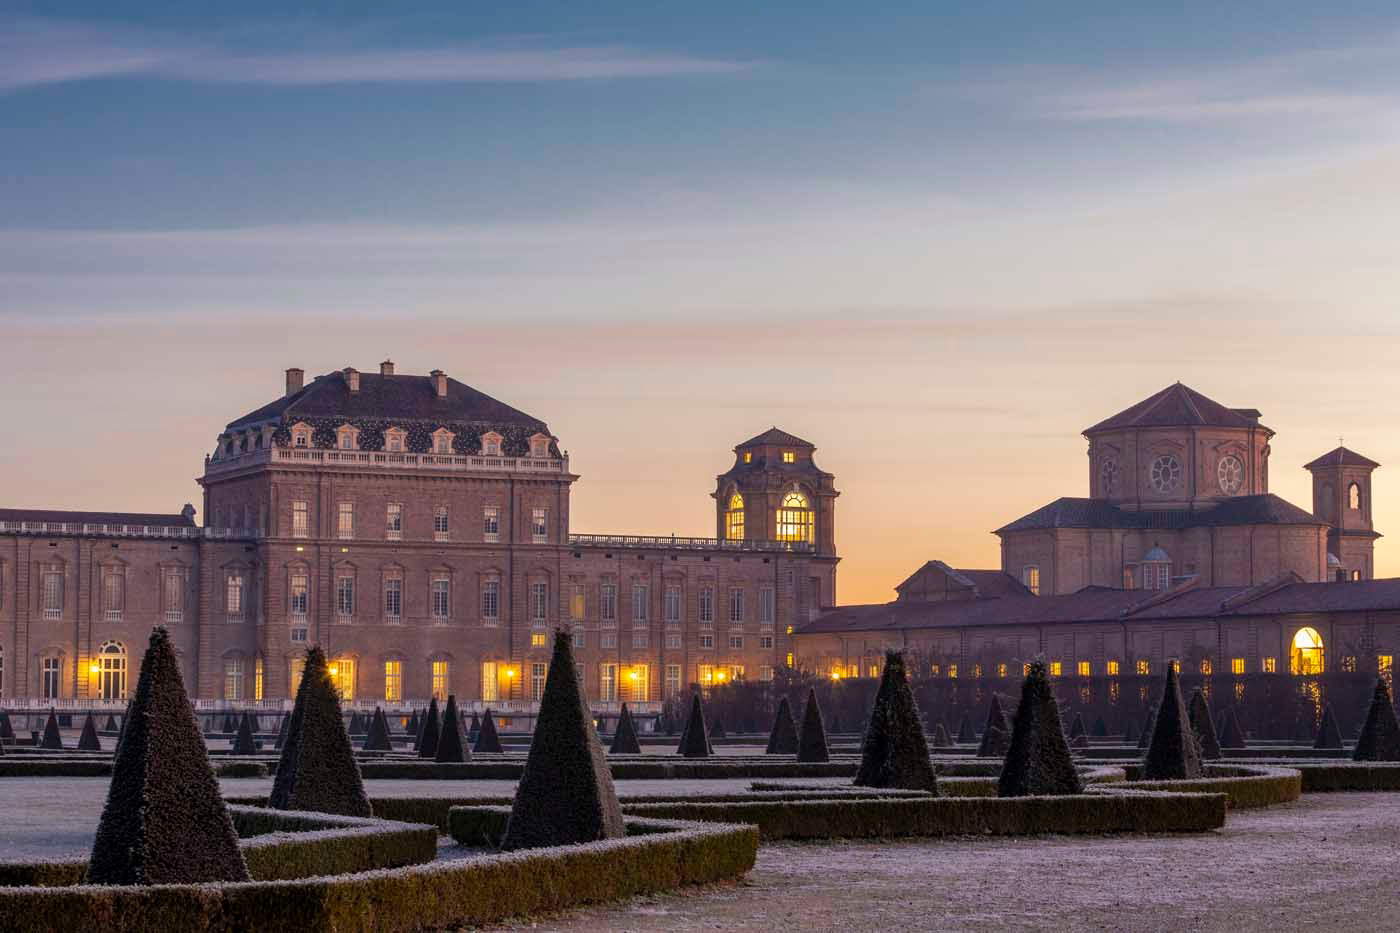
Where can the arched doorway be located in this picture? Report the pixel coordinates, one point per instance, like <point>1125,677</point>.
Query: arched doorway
<point>1305,657</point>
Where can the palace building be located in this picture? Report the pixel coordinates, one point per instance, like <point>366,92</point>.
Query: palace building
<point>418,530</point>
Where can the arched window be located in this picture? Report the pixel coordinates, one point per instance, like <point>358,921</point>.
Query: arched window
<point>734,518</point>
<point>1354,497</point>
<point>110,669</point>
<point>1306,655</point>
<point>1156,570</point>
<point>795,518</point>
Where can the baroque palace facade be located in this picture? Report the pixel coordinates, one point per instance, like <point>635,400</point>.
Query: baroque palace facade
<point>418,530</point>
<point>1180,552</point>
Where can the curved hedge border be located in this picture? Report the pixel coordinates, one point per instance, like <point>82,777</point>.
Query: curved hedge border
<point>1245,787</point>
<point>657,855</point>
<point>279,845</point>
<point>653,768</point>
<point>1348,776</point>
<point>832,818</point>
<point>76,767</point>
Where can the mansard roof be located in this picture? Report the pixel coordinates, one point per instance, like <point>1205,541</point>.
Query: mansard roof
<point>1069,512</point>
<point>777,437</point>
<point>182,520</point>
<point>1341,456</point>
<point>1282,596</point>
<point>1179,406</point>
<point>391,397</point>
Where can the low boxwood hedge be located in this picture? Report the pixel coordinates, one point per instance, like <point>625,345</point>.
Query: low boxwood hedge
<point>656,856</point>
<point>641,768</point>
<point>1245,787</point>
<point>102,767</point>
<point>1348,776</point>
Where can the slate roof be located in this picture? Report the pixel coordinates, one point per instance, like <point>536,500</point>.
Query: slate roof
<point>1341,456</point>
<point>988,583</point>
<point>389,398</point>
<point>1178,406</point>
<point>95,518</point>
<point>777,437</point>
<point>1070,512</point>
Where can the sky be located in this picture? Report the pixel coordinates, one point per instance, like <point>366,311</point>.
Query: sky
<point>937,240</point>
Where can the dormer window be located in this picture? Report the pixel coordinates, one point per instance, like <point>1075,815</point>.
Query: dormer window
<point>347,437</point>
<point>394,439</point>
<point>789,456</point>
<point>748,456</point>
<point>442,441</point>
<point>491,444</point>
<point>301,435</point>
<point>1156,570</point>
<point>539,446</point>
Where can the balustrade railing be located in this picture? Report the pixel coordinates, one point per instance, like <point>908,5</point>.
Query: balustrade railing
<point>385,459</point>
<point>671,542</point>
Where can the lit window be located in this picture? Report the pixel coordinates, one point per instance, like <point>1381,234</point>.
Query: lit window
<point>790,659</point>
<point>345,520</point>
<point>1001,670</point>
<point>537,639</point>
<point>1306,656</point>
<point>441,597</point>
<point>233,596</point>
<point>440,681</point>
<point>490,681</point>
<point>258,679</point>
<point>1354,497</point>
<point>734,518</point>
<point>789,456</point>
<point>795,518</point>
<point>491,523</point>
<point>295,669</point>
<point>577,603</point>
<point>1144,667</point>
<point>1025,669</point>
<point>1112,668</point>
<point>393,599</point>
<point>1130,576</point>
<point>393,522</point>
<point>539,525</point>
<point>748,456</point>
<point>491,600</point>
<point>1237,666</point>
<point>300,524</point>
<point>111,675</point>
<point>440,523</point>
<point>1384,665</point>
<point>1348,664</point>
<point>607,682</point>
<point>1030,576</point>
<point>1085,668</point>
<point>1206,666</point>
<point>1271,665</point>
<point>342,671</point>
<point>953,671</point>
<point>1056,668</point>
<point>393,681</point>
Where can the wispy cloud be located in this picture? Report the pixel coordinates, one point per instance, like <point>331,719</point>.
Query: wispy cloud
<point>36,52</point>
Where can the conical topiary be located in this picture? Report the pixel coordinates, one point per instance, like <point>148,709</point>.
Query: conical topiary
<point>695,740</point>
<point>783,739</point>
<point>1172,754</point>
<point>967,734</point>
<point>1203,724</point>
<point>625,738</point>
<point>1231,736</point>
<point>282,733</point>
<point>87,742</point>
<point>811,737</point>
<point>894,752</point>
<point>164,821</point>
<point>229,726</point>
<point>1329,734</point>
<point>1129,732</point>
<point>1038,761</point>
<point>1076,728</point>
<point>7,729</point>
<point>996,734</point>
<point>940,736</point>
<point>1145,739</point>
<point>717,729</point>
<point>1380,736</point>
<point>428,737</point>
<point>317,770</point>
<point>474,729</point>
<point>243,743</point>
<point>411,728</point>
<point>357,724</point>
<point>450,748</point>
<point>487,741</point>
<point>566,793</point>
<point>111,725</point>
<point>52,739</point>
<point>378,738</point>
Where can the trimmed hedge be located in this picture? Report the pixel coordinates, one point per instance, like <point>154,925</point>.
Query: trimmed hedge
<point>656,856</point>
<point>1245,788</point>
<point>1348,776</point>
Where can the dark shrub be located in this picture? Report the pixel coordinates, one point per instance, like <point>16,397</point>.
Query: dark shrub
<point>1145,739</point>
<point>282,732</point>
<point>164,821</point>
<point>412,727</point>
<point>895,752</point>
<point>625,738</point>
<point>1203,724</point>
<point>1380,736</point>
<point>1076,729</point>
<point>811,738</point>
<point>717,730</point>
<point>474,729</point>
<point>1100,728</point>
<point>695,740</point>
<point>566,793</point>
<point>783,739</point>
<point>996,734</point>
<point>940,736</point>
<point>52,738</point>
<point>243,743</point>
<point>487,741</point>
<point>1172,754</point>
<point>378,738</point>
<point>966,733</point>
<point>1329,735</point>
<point>1038,761</point>
<point>87,742</point>
<point>1129,732</point>
<point>7,730</point>
<point>229,725</point>
<point>428,738</point>
<point>450,747</point>
<point>317,770</point>
<point>111,725</point>
<point>1231,736</point>
<point>357,724</point>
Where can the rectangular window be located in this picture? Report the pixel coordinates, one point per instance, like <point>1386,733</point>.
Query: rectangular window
<point>736,604</point>
<point>789,456</point>
<point>490,682</point>
<point>671,605</point>
<point>299,633</point>
<point>1056,668</point>
<point>342,671</point>
<point>393,599</point>
<point>174,596</point>
<point>441,528</point>
<point>258,679</point>
<point>233,597</point>
<point>607,682</point>
<point>639,638</point>
<point>53,595</point>
<point>1112,668</point>
<point>767,605</point>
<point>295,669</point>
<point>637,684</point>
<point>1271,665</point>
<point>673,679</point>
<point>580,638</point>
<point>1085,669</point>
<point>300,522</point>
<point>440,680</point>
<point>578,603</point>
<point>953,670</point>
<point>539,603</point>
<point>393,681</point>
<point>1030,576</point>
<point>491,523</point>
<point>539,525</point>
<point>297,596</point>
<point>1144,667</point>
<point>345,520</point>
<point>393,522</point>
<point>538,672</point>
<point>345,598</point>
<point>608,609</point>
<point>49,678</point>
<point>736,642</point>
<point>673,640</point>
<point>707,640</point>
<point>1206,666</point>
<point>765,642</point>
<point>1385,663</point>
<point>1237,666</point>
<point>233,678</point>
<point>707,605</point>
<point>607,640</point>
<point>1001,670</point>
<point>441,598</point>
<point>705,673</point>
<point>736,672</point>
<point>537,639</point>
<point>491,601</point>
<point>113,595</point>
<point>641,598</point>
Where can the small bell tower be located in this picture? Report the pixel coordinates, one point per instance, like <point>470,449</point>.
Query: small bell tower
<point>1342,498</point>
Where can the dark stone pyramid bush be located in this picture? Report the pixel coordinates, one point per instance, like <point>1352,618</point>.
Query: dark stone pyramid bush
<point>317,770</point>
<point>229,724</point>
<point>378,738</point>
<point>1203,724</point>
<point>355,728</point>
<point>940,736</point>
<point>487,741</point>
<point>811,737</point>
<point>52,739</point>
<point>1173,754</point>
<point>894,752</point>
<point>1145,739</point>
<point>412,728</point>
<point>717,730</point>
<point>164,821</point>
<point>566,793</point>
<point>1076,729</point>
<point>450,747</point>
<point>1038,761</point>
<point>996,734</point>
<point>243,742</point>
<point>111,725</point>
<point>1380,736</point>
<point>7,730</point>
<point>783,739</point>
<point>625,738</point>
<point>1329,734</point>
<point>474,729</point>
<point>87,742</point>
<point>282,733</point>
<point>1231,735</point>
<point>428,737</point>
<point>695,739</point>
<point>966,733</point>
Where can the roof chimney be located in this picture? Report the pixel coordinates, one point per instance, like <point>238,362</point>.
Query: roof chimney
<point>386,368</point>
<point>352,378</point>
<point>439,382</point>
<point>294,377</point>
